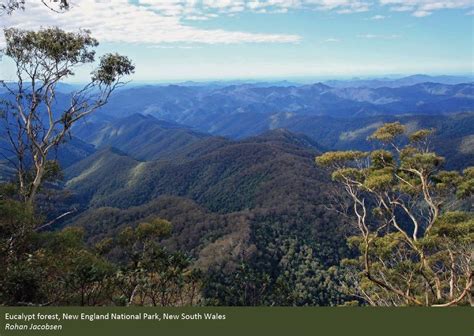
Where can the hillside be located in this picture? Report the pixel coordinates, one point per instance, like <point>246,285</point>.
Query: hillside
<point>242,208</point>
<point>232,177</point>
<point>141,136</point>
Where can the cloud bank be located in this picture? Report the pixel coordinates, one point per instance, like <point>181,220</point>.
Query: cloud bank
<point>174,21</point>
<point>121,21</point>
<point>421,8</point>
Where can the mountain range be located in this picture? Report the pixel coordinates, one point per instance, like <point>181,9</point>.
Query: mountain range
<point>371,82</point>
<point>243,110</point>
<point>399,81</point>
<point>145,138</point>
<point>232,167</point>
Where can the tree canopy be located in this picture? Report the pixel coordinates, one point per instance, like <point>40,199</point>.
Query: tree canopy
<point>415,233</point>
<point>34,120</point>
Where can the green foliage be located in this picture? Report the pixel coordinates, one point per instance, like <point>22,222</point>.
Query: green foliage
<point>457,226</point>
<point>8,190</point>
<point>380,178</point>
<point>156,228</point>
<point>148,273</point>
<point>466,186</point>
<point>50,44</point>
<point>348,173</point>
<point>53,171</point>
<point>420,135</point>
<point>388,132</point>
<point>426,162</point>
<point>412,248</point>
<point>40,49</point>
<point>447,181</point>
<point>57,268</point>
<point>111,67</point>
<point>42,59</point>
<point>337,158</point>
<point>14,213</point>
<point>381,159</point>
<point>46,268</point>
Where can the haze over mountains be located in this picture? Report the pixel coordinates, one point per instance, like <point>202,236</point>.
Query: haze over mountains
<point>240,111</point>
<point>193,104</point>
<point>370,82</point>
<point>153,122</point>
<point>163,122</point>
<point>394,82</point>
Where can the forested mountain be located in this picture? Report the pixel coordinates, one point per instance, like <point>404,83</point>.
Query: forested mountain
<point>232,168</point>
<point>140,136</point>
<point>255,203</point>
<point>146,138</point>
<point>317,110</point>
<point>355,82</point>
<point>225,176</point>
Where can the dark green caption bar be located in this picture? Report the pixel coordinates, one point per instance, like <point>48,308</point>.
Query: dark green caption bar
<point>236,321</point>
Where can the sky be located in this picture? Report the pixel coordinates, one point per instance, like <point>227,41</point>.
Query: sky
<point>175,40</point>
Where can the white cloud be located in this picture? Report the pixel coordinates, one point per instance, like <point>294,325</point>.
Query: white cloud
<point>421,13</point>
<point>229,7</point>
<point>173,21</point>
<point>378,17</point>
<point>332,40</point>
<point>421,8</point>
<point>379,37</point>
<point>402,8</point>
<point>169,21</point>
<point>197,18</point>
<point>120,21</point>
<point>160,46</point>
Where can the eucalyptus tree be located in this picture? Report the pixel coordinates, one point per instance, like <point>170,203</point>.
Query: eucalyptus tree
<point>414,234</point>
<point>151,275</point>
<point>36,119</point>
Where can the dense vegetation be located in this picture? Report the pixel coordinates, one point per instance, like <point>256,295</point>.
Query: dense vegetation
<point>259,213</point>
<point>274,233</point>
<point>56,268</point>
<point>415,235</point>
<point>278,241</point>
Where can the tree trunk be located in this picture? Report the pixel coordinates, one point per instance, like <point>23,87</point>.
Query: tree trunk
<point>36,183</point>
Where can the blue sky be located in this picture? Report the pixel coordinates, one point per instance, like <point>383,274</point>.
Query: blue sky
<point>225,39</point>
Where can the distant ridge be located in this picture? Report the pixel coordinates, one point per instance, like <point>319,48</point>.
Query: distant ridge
<point>142,136</point>
<point>399,82</point>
